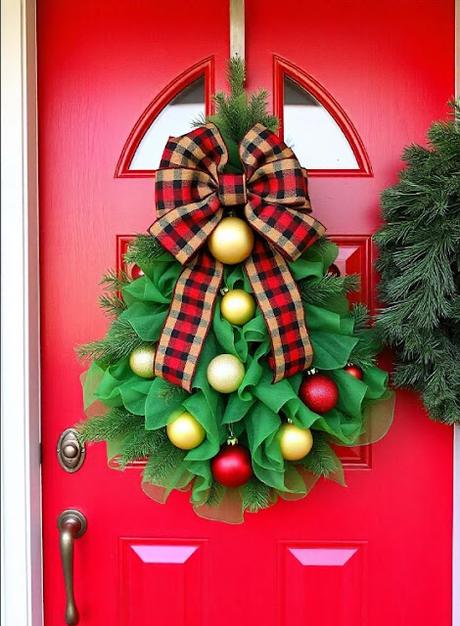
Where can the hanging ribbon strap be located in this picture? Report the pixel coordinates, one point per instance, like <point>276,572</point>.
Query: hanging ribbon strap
<point>192,191</point>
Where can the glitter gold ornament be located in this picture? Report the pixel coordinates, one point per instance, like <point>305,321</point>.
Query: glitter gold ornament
<point>225,373</point>
<point>141,361</point>
<point>184,430</point>
<point>232,240</point>
<point>237,306</point>
<point>295,442</point>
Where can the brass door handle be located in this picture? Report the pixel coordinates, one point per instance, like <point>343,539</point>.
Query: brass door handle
<point>72,525</point>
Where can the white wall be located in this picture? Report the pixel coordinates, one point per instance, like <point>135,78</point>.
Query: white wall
<point>20,469</point>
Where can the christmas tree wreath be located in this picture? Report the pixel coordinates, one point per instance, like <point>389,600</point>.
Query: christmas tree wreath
<point>233,364</point>
<point>420,271</point>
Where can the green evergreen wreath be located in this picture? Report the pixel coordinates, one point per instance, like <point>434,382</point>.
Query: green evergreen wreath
<point>131,413</point>
<point>420,271</point>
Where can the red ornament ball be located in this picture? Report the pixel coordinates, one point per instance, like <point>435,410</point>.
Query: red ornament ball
<point>319,393</point>
<point>354,370</point>
<point>136,272</point>
<point>333,270</point>
<point>232,466</point>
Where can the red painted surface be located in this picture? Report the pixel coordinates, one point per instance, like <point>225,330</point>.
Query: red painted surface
<point>376,553</point>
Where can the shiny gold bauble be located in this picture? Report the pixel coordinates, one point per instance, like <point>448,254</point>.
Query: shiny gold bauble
<point>295,442</point>
<point>225,373</point>
<point>141,361</point>
<point>231,241</point>
<point>237,307</point>
<point>184,431</point>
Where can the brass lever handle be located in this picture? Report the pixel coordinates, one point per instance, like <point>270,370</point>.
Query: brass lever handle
<point>72,525</point>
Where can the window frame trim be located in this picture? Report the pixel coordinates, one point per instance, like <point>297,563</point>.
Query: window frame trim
<point>282,68</point>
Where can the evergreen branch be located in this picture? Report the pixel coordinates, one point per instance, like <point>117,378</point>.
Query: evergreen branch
<point>236,113</point>
<point>256,495</point>
<point>144,250</point>
<point>419,265</point>
<point>140,443</point>
<point>163,463</point>
<point>319,291</point>
<point>216,494</point>
<point>322,460</point>
<point>236,76</point>
<point>360,314</point>
<point>114,281</point>
<point>113,305</point>
<point>115,424</point>
<point>119,342</point>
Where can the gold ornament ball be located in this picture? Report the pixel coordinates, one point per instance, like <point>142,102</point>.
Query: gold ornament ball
<point>225,373</point>
<point>295,442</point>
<point>184,431</point>
<point>237,307</point>
<point>141,361</point>
<point>231,241</point>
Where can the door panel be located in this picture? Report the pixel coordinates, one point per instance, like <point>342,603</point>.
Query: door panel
<point>373,554</point>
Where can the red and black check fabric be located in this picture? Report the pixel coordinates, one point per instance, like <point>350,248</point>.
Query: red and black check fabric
<point>188,320</point>
<point>192,190</point>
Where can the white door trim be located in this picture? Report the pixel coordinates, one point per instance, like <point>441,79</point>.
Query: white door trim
<point>21,565</point>
<point>21,562</point>
<point>456,481</point>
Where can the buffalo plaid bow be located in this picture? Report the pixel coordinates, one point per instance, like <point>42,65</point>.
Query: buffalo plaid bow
<point>192,190</point>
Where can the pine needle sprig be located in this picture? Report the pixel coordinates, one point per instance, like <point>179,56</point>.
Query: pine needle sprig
<point>215,494</point>
<point>256,495</point>
<point>144,250</point>
<point>322,460</point>
<point>236,113</point>
<point>119,342</point>
<point>114,282</point>
<point>112,304</point>
<point>163,464</point>
<point>111,301</point>
<point>139,444</point>
<point>113,425</point>
<point>319,291</point>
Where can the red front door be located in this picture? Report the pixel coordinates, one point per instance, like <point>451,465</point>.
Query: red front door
<point>355,82</point>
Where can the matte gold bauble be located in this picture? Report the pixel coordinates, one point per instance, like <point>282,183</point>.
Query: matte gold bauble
<point>184,431</point>
<point>141,361</point>
<point>295,442</point>
<point>237,307</point>
<point>231,241</point>
<point>225,373</point>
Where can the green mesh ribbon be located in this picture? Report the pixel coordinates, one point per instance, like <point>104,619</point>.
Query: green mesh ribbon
<point>254,412</point>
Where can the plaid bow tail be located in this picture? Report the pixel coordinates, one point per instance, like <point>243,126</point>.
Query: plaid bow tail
<point>279,300</point>
<point>188,320</point>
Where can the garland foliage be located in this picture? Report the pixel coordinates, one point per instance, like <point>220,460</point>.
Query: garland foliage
<point>420,270</point>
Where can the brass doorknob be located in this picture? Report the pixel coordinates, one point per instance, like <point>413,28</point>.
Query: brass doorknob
<point>72,525</point>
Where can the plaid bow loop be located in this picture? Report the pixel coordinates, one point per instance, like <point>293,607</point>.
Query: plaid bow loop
<point>192,188</point>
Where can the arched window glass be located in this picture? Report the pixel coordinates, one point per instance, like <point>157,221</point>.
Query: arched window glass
<point>175,119</point>
<point>311,131</point>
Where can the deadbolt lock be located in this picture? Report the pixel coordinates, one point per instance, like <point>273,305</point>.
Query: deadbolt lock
<point>70,450</point>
